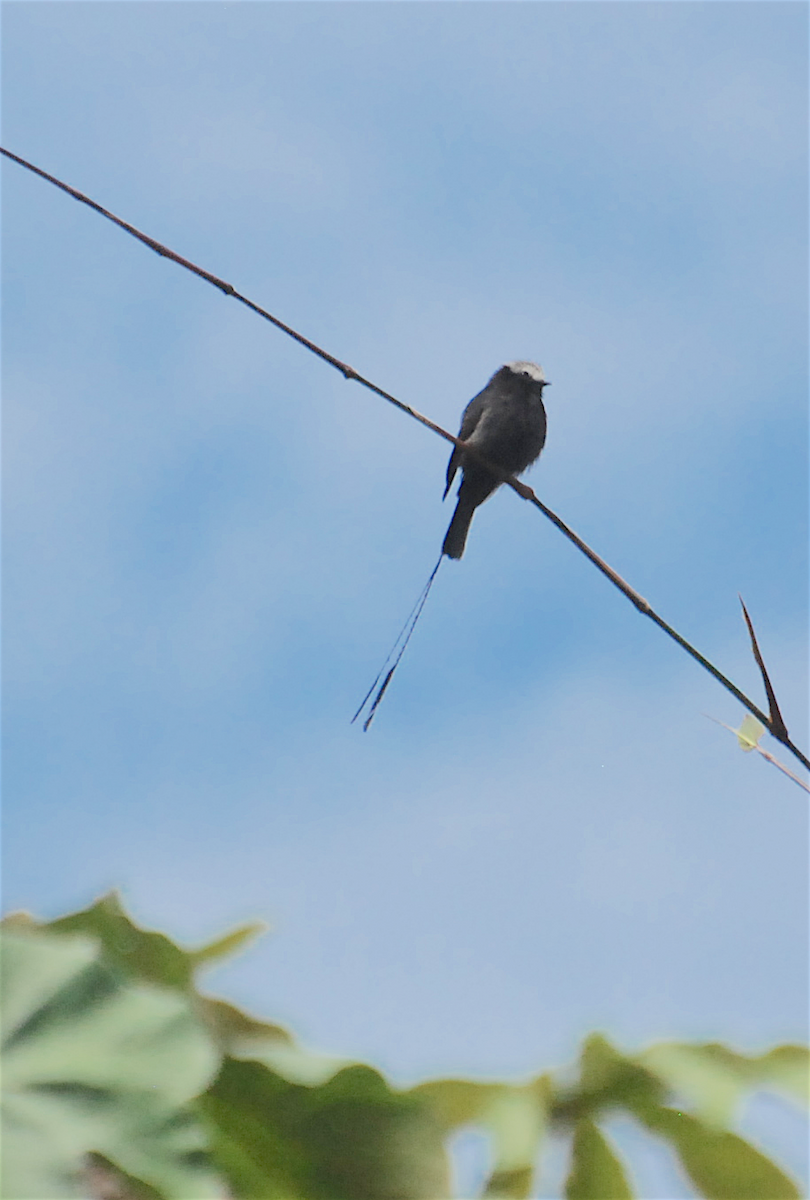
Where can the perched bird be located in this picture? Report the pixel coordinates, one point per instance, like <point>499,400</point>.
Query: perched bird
<point>506,422</point>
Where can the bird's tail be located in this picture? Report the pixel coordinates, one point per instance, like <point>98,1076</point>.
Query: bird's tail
<point>456,536</point>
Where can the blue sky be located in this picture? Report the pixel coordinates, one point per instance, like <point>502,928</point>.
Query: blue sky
<point>211,538</point>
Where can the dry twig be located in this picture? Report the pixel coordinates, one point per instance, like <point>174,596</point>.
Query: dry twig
<point>776,728</point>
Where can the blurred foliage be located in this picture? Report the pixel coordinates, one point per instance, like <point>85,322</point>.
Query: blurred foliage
<point>95,1063</point>
<point>122,1081</point>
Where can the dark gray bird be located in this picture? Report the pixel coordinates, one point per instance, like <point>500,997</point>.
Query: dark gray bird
<point>506,422</point>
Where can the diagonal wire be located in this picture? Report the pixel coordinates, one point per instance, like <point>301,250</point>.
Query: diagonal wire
<point>522,489</point>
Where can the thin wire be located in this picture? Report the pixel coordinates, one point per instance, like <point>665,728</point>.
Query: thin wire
<point>522,489</point>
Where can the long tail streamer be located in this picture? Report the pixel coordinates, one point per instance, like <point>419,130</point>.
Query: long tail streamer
<point>405,635</point>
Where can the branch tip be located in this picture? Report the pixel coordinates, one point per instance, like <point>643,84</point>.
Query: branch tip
<point>776,723</point>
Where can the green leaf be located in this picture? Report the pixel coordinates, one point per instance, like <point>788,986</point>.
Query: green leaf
<point>144,953</point>
<point>613,1079</point>
<point>242,1036</point>
<point>352,1138</point>
<point>713,1077</point>
<point>458,1102</point>
<point>709,1077</point>
<point>513,1115</point>
<point>596,1170</point>
<point>140,953</point>
<point>147,955</point>
<point>297,1064</point>
<point>516,1121</point>
<point>230,943</point>
<point>510,1182</point>
<point>786,1068</point>
<point>721,1165</point>
<point>608,1080</point>
<point>599,1063</point>
<point>249,1113</point>
<point>103,1178</point>
<point>236,1031</point>
<point>371,1141</point>
<point>96,1065</point>
<point>749,733</point>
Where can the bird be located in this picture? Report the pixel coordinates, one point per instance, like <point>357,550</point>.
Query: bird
<point>506,423</point>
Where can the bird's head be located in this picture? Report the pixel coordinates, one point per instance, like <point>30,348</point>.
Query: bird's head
<point>528,369</point>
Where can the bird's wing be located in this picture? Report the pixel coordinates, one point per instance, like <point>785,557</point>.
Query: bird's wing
<point>469,419</point>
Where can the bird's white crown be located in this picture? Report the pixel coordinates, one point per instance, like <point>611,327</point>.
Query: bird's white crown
<point>528,368</point>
